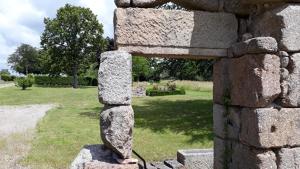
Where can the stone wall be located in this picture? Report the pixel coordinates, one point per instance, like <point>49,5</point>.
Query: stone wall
<point>256,93</point>
<point>256,45</point>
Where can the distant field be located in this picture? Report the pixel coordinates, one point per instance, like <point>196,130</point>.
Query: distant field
<point>162,124</point>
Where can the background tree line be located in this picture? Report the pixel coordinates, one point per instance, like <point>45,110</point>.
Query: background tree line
<point>72,43</point>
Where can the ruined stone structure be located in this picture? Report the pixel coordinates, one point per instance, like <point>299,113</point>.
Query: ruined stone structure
<point>256,45</point>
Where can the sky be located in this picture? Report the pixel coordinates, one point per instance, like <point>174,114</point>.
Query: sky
<point>21,21</point>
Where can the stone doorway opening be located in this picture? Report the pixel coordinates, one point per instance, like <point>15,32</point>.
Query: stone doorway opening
<point>256,90</point>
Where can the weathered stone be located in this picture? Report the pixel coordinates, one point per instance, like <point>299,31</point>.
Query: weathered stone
<point>226,122</point>
<point>282,23</point>
<point>292,98</point>
<point>235,6</point>
<point>160,165</point>
<point>98,157</point>
<point>230,154</point>
<point>174,33</point>
<point>289,158</point>
<point>255,46</point>
<point>122,3</point>
<point>116,124</point>
<point>195,159</point>
<point>266,1</point>
<point>114,77</point>
<point>284,86</point>
<point>247,36</point>
<point>207,5</point>
<point>284,74</point>
<point>250,80</point>
<point>174,164</point>
<point>270,127</point>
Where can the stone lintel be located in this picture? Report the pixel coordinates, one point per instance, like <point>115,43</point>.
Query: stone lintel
<point>175,33</point>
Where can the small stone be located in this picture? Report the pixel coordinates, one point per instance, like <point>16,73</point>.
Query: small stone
<point>196,158</point>
<point>255,46</point>
<point>116,124</point>
<point>284,86</point>
<point>115,78</point>
<point>284,74</point>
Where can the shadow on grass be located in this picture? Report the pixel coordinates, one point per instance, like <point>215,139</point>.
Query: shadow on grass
<point>193,118</point>
<point>190,117</point>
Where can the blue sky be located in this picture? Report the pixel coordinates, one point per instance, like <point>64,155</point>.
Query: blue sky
<point>21,21</point>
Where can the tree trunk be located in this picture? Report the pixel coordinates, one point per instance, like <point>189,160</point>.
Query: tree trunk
<point>75,77</point>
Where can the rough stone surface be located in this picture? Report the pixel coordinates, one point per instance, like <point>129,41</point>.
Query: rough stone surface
<point>174,33</point>
<point>284,74</point>
<point>97,157</point>
<point>282,23</point>
<point>230,154</point>
<point>266,1</point>
<point>292,84</point>
<point>116,124</point>
<point>250,81</point>
<point>122,3</point>
<point>114,77</point>
<point>289,158</point>
<point>226,124</point>
<point>254,46</point>
<point>269,127</point>
<point>195,159</point>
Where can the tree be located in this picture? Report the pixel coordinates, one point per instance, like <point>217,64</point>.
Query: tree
<point>73,40</point>
<point>141,69</point>
<point>25,60</point>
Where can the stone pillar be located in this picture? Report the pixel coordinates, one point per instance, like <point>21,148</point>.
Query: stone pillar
<point>256,94</point>
<point>117,117</point>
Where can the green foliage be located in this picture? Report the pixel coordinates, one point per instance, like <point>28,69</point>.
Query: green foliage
<point>4,72</point>
<point>25,60</point>
<point>7,78</point>
<point>72,40</point>
<point>24,82</point>
<point>141,69</point>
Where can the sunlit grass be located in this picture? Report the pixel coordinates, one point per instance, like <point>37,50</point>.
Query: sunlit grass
<point>162,124</point>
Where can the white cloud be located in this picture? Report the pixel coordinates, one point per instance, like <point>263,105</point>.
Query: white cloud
<point>21,21</point>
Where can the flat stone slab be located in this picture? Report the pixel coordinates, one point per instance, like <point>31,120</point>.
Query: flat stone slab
<point>196,158</point>
<point>174,33</point>
<point>98,157</point>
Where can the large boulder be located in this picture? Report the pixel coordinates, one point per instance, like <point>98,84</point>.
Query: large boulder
<point>116,124</point>
<point>252,80</point>
<point>282,23</point>
<point>289,158</point>
<point>270,127</point>
<point>115,78</point>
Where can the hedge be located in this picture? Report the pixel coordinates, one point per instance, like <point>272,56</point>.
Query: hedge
<point>152,92</point>
<point>7,78</point>
<point>63,81</point>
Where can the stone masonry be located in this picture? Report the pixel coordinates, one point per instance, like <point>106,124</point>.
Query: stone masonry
<point>256,47</point>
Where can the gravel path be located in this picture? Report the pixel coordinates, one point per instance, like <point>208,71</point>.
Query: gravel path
<point>18,119</point>
<point>16,132</point>
<point>2,85</point>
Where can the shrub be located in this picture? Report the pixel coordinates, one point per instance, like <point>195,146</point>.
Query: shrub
<point>152,92</point>
<point>64,81</point>
<point>171,86</point>
<point>24,82</point>
<point>5,77</point>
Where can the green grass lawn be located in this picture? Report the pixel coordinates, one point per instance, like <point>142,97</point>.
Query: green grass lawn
<point>162,124</point>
